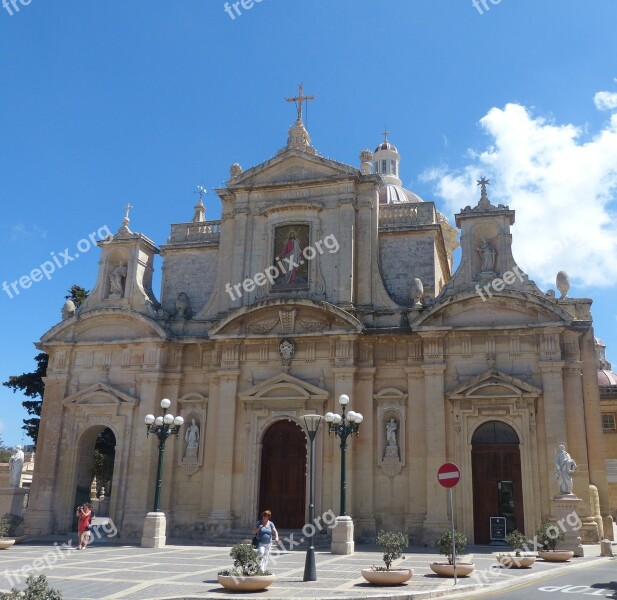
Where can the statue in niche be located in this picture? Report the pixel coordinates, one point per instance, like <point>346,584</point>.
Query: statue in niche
<point>488,257</point>
<point>565,465</point>
<point>391,428</point>
<point>183,307</point>
<point>191,437</point>
<point>117,281</point>
<point>16,465</point>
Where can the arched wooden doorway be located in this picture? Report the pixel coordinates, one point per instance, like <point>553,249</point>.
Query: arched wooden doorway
<point>497,482</point>
<point>282,485</point>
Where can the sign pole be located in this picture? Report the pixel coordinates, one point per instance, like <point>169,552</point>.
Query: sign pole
<point>453,538</point>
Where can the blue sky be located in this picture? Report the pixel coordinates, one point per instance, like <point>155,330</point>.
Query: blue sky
<point>105,103</point>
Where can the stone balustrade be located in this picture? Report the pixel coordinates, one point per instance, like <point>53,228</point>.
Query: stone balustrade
<point>195,233</point>
<point>402,216</point>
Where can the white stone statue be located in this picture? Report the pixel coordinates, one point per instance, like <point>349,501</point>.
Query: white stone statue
<point>16,465</point>
<point>183,307</point>
<point>117,280</point>
<point>488,257</point>
<point>191,437</point>
<point>563,284</point>
<point>68,309</point>
<point>564,467</point>
<point>391,428</point>
<point>417,292</point>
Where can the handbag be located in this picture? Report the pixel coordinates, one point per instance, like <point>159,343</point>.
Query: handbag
<point>255,542</point>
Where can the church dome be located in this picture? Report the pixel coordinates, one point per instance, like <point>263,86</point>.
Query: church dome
<point>606,378</point>
<point>386,160</point>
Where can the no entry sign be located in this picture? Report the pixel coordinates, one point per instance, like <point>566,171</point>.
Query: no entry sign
<point>448,475</point>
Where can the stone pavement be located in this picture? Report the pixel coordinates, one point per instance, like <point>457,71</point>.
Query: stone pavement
<point>189,572</point>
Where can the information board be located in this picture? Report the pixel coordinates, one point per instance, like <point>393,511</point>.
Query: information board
<point>498,529</point>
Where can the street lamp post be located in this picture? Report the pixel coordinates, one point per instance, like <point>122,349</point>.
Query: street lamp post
<point>311,423</point>
<point>163,427</point>
<point>344,426</point>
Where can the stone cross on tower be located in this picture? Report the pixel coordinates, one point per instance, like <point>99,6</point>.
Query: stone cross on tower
<point>200,210</point>
<point>386,133</point>
<point>299,99</point>
<point>484,201</point>
<point>126,220</point>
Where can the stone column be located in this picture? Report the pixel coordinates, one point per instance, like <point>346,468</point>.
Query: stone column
<point>221,517</point>
<point>363,465</point>
<point>436,520</point>
<point>347,215</point>
<point>237,256</point>
<point>39,519</point>
<point>366,238</point>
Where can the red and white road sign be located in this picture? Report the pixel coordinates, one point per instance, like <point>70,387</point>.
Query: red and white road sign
<point>448,475</point>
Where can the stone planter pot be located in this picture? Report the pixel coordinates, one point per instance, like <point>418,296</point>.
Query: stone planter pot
<point>391,577</point>
<point>6,543</point>
<point>555,555</point>
<point>253,583</point>
<point>511,561</point>
<point>447,570</point>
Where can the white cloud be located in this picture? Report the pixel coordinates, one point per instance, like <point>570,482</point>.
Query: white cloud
<point>21,231</point>
<point>564,191</point>
<point>605,100</point>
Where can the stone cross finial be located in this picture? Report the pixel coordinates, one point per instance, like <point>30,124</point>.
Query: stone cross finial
<point>299,99</point>
<point>386,133</point>
<point>126,220</point>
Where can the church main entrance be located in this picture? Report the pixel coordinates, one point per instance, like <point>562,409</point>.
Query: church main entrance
<point>497,483</point>
<point>282,488</point>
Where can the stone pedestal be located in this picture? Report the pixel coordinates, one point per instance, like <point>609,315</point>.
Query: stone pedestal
<point>154,530</point>
<point>342,536</point>
<point>12,500</point>
<point>566,513</point>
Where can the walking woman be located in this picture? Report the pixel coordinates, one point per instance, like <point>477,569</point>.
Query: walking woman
<point>84,515</point>
<point>265,531</point>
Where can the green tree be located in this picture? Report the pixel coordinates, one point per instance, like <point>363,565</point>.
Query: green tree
<point>32,385</point>
<point>37,588</point>
<point>5,452</point>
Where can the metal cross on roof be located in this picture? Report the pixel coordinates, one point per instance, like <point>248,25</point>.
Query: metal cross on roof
<point>299,99</point>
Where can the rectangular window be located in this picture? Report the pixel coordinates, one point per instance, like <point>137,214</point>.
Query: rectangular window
<point>384,166</point>
<point>608,421</point>
<point>393,167</point>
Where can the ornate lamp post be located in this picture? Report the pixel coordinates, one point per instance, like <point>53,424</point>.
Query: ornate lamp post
<point>311,422</point>
<point>344,426</point>
<point>163,427</point>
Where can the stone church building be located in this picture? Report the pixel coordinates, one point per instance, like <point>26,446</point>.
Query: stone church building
<point>323,279</point>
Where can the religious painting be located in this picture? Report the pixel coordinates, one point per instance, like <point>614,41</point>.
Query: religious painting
<point>290,242</point>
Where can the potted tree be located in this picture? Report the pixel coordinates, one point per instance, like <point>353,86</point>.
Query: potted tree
<point>246,575</point>
<point>517,559</point>
<point>549,535</point>
<point>444,543</point>
<point>392,544</point>
<point>9,526</point>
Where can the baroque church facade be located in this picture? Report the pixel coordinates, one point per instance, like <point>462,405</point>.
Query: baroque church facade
<point>323,279</point>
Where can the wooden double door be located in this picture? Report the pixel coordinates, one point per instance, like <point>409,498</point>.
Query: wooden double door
<point>282,488</point>
<point>497,488</point>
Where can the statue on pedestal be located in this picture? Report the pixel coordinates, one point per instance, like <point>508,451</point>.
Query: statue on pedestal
<point>565,465</point>
<point>191,437</point>
<point>391,428</point>
<point>117,281</point>
<point>488,257</point>
<point>16,465</point>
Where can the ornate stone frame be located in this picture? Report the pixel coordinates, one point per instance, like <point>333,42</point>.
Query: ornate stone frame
<point>280,397</point>
<point>193,405</point>
<point>495,396</point>
<point>391,403</point>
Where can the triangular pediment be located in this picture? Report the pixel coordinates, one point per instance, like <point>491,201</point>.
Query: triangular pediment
<point>273,318</point>
<point>495,384</point>
<point>285,391</point>
<point>292,166</point>
<point>100,394</point>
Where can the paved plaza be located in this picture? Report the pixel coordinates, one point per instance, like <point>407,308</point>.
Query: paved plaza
<point>190,572</point>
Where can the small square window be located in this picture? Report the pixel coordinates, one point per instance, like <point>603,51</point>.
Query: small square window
<point>608,421</point>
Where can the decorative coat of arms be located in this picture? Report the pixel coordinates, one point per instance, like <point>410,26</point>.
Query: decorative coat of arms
<point>287,351</point>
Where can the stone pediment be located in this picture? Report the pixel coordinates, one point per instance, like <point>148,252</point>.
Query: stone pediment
<point>273,318</point>
<point>285,391</point>
<point>494,384</point>
<point>292,166</point>
<point>100,394</point>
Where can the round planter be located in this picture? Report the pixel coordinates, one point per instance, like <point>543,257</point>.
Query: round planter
<point>6,543</point>
<point>555,555</point>
<point>511,561</point>
<point>447,570</point>
<point>392,577</point>
<point>253,583</point>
